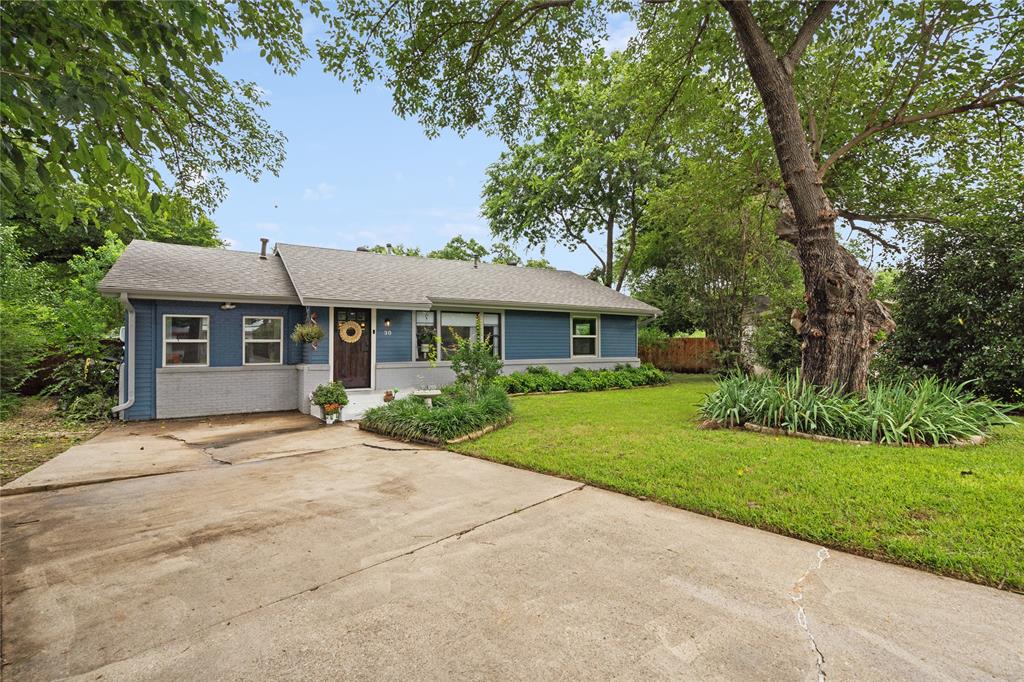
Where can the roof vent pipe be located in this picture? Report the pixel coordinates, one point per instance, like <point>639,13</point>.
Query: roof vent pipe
<point>263,248</point>
<point>389,249</point>
<point>476,261</point>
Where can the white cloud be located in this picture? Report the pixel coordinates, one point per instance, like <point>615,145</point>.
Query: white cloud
<point>620,30</point>
<point>323,190</point>
<point>229,241</point>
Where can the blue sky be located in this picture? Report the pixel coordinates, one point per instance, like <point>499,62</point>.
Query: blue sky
<point>356,173</point>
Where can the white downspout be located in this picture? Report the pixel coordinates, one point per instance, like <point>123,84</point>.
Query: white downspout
<point>130,351</point>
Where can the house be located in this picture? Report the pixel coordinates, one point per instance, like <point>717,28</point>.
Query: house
<point>207,330</point>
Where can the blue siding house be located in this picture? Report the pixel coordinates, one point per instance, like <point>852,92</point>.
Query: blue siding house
<point>207,330</point>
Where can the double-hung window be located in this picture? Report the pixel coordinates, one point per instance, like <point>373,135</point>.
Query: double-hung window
<point>584,336</point>
<point>262,340</point>
<point>186,340</point>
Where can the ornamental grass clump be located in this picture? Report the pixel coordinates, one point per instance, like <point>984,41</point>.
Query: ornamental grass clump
<point>454,414</point>
<point>922,412</point>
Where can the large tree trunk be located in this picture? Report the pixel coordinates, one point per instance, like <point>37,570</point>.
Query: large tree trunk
<point>842,325</point>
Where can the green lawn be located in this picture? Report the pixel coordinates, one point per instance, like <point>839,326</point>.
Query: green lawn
<point>956,511</point>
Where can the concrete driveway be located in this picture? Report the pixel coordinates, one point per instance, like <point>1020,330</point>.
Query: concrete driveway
<point>276,548</point>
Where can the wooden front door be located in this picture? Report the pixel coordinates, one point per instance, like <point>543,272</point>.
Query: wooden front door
<point>352,337</point>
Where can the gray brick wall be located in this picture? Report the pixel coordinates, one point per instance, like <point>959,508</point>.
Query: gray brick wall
<point>200,391</point>
<point>309,377</point>
<point>407,375</point>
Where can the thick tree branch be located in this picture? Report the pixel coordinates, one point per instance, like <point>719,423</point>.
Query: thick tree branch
<point>874,236</point>
<point>747,29</point>
<point>889,217</point>
<point>688,59</point>
<point>983,102</point>
<point>803,38</point>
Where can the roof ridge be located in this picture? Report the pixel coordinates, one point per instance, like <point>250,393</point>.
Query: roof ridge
<point>223,248</point>
<point>405,255</point>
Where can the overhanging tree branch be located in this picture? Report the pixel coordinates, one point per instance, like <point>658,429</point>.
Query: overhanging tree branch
<point>803,38</point>
<point>986,101</point>
<point>889,217</point>
<point>874,236</point>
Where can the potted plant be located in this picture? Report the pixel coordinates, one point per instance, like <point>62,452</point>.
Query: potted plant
<point>307,332</point>
<point>331,398</point>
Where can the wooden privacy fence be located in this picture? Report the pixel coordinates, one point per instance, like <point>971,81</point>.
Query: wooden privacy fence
<point>682,355</point>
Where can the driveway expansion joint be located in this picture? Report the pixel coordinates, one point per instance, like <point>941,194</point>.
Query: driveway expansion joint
<point>456,535</point>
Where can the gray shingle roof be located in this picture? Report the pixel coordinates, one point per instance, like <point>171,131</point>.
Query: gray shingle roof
<point>324,275</point>
<point>318,276</point>
<point>159,269</point>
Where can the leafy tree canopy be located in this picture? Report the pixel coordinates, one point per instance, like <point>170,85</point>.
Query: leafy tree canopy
<point>460,248</point>
<point>117,96</point>
<point>395,249</point>
<point>578,175</point>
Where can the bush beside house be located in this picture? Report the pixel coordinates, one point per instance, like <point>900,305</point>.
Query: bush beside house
<point>471,404</point>
<point>540,379</point>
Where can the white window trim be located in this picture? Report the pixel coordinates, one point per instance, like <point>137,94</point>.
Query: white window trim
<point>163,334</point>
<point>280,341</point>
<point>596,335</point>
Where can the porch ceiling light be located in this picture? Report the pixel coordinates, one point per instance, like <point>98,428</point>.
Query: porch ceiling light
<point>227,306</point>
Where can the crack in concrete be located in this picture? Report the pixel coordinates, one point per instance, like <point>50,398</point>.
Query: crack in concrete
<point>49,487</point>
<point>796,596</point>
<point>384,447</point>
<point>451,536</point>
<point>195,446</point>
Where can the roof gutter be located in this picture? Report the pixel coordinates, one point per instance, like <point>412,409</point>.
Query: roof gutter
<point>130,398</point>
<point>555,307</point>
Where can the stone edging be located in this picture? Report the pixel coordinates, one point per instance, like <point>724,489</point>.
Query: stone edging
<point>437,442</point>
<point>757,428</point>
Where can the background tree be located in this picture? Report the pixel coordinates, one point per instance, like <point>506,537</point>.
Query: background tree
<point>396,249</point>
<point>503,254</point>
<point>709,257</point>
<point>578,174</point>
<point>103,97</point>
<point>460,248</point>
<point>538,263</point>
<point>896,69</point>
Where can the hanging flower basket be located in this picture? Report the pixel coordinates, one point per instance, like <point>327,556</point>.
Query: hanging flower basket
<point>307,332</point>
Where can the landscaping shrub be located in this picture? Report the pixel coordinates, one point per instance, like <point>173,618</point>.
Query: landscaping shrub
<point>86,388</point>
<point>474,362</point>
<point>959,309</point>
<point>652,337</point>
<point>925,411</point>
<point>540,379</point>
<point>775,343</point>
<point>454,414</point>
<point>330,394</point>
